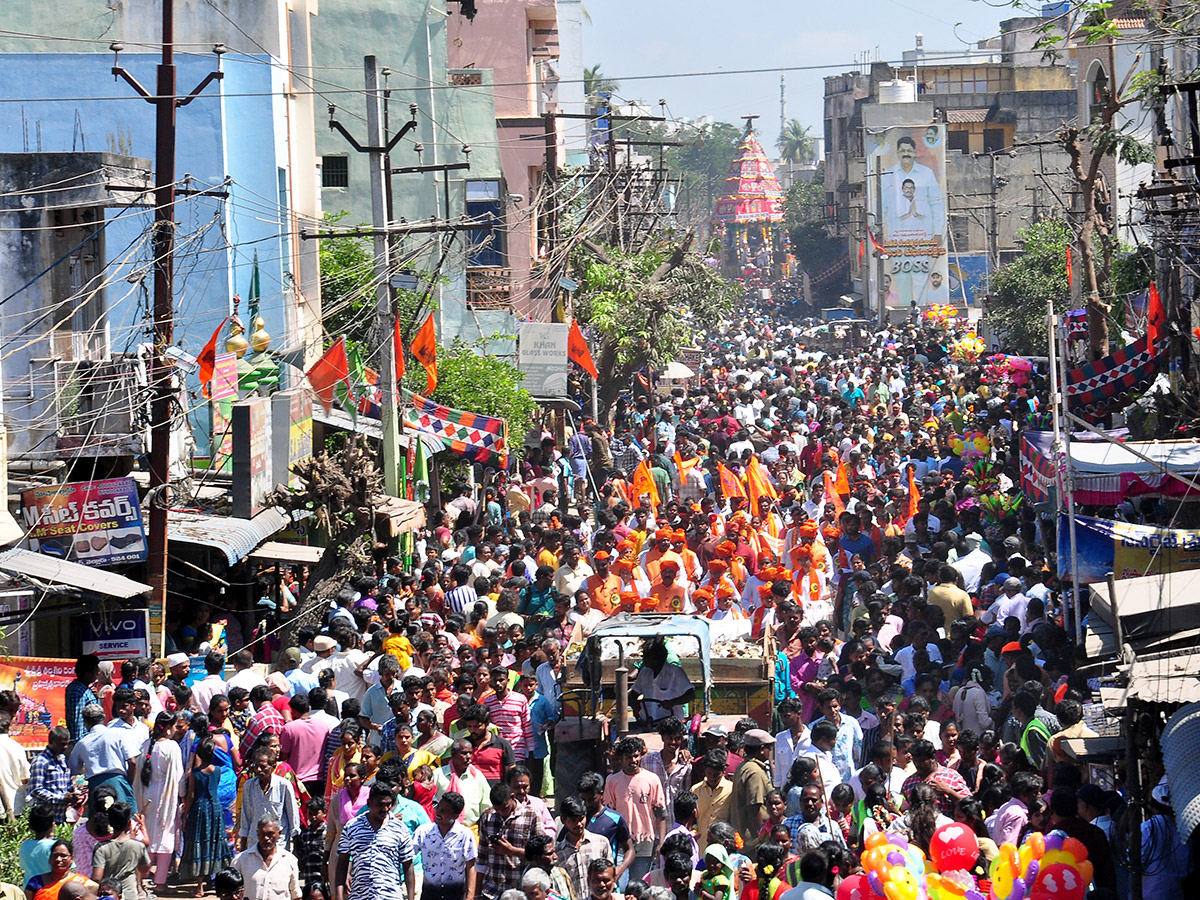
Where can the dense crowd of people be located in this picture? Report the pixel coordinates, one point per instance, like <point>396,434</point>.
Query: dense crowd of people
<point>856,512</point>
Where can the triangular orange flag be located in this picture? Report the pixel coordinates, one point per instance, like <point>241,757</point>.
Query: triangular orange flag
<point>578,352</point>
<point>424,351</point>
<point>1156,317</point>
<point>731,485</point>
<point>208,358</point>
<point>398,350</point>
<point>759,484</point>
<point>330,370</point>
<point>643,483</point>
<point>842,484</point>
<point>832,496</point>
<point>685,465</point>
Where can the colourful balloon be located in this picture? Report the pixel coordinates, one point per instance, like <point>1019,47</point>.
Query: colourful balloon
<point>876,883</point>
<point>1076,848</point>
<point>875,859</point>
<point>898,840</point>
<point>1062,882</point>
<point>878,839</point>
<point>1032,871</point>
<point>1037,845</point>
<point>1054,841</point>
<point>856,887</point>
<point>1018,889</point>
<point>901,885</point>
<point>1086,871</point>
<point>954,847</point>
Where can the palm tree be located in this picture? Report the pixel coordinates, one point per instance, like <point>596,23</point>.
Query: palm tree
<point>796,144</point>
<point>596,83</point>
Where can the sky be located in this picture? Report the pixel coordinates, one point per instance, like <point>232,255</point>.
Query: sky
<point>629,38</point>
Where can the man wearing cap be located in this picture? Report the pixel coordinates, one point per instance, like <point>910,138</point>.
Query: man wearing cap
<point>603,586</point>
<point>651,557</point>
<point>751,784</point>
<point>178,667</point>
<point>323,647</point>
<point>1011,602</point>
<point>299,681</point>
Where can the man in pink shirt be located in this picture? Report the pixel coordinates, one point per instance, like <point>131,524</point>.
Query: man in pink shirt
<point>303,745</point>
<point>638,796</point>
<point>510,713</point>
<point>1006,823</point>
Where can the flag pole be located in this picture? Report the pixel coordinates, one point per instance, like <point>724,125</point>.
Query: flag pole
<point>1057,380</point>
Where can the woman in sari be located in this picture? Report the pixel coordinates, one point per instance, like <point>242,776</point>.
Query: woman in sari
<point>205,840</point>
<point>410,757</point>
<point>225,748</point>
<point>158,791</point>
<point>368,765</point>
<point>430,738</point>
<point>62,870</point>
<point>349,752</point>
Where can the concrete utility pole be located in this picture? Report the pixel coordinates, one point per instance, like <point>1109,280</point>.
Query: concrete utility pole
<point>377,148</point>
<point>162,370</point>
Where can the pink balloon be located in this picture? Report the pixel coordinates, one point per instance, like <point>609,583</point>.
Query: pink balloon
<point>855,887</point>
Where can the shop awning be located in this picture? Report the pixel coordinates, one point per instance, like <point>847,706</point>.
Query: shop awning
<point>235,537</point>
<point>280,551</point>
<point>51,572</point>
<point>337,418</point>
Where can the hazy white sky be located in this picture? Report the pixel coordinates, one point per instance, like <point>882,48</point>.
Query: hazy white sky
<point>653,37</point>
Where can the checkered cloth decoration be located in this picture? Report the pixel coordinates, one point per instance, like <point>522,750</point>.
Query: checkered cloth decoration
<point>480,439</point>
<point>1110,384</point>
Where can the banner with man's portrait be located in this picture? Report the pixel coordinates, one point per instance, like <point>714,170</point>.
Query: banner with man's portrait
<point>908,195</point>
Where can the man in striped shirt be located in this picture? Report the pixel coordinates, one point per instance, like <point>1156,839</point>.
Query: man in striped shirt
<point>510,713</point>
<point>463,595</point>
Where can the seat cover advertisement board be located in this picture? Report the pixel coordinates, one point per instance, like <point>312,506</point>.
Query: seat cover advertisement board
<point>96,523</point>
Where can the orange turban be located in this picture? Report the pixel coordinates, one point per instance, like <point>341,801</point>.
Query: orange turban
<point>764,590</point>
<point>831,532</point>
<point>718,565</point>
<point>802,552</point>
<point>808,531</point>
<point>724,590</point>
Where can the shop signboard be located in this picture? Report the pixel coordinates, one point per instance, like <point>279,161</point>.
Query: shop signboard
<point>542,356</point>
<point>97,523</point>
<point>291,432</point>
<point>122,635</point>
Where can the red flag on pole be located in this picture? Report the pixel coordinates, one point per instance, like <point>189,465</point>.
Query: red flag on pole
<point>208,358</point>
<point>331,369</point>
<point>398,351</point>
<point>1156,317</point>
<point>578,352</point>
<point>1070,281</point>
<point>424,351</point>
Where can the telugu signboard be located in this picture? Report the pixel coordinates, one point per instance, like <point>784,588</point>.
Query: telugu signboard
<point>41,685</point>
<point>97,523</point>
<point>252,480</point>
<point>542,356</point>
<point>122,635</point>
<point>908,193</point>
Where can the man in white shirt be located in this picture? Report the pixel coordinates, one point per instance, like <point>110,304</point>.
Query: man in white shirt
<point>1010,603</point>
<point>212,684</point>
<point>791,742</point>
<point>244,675</point>
<point>573,572</point>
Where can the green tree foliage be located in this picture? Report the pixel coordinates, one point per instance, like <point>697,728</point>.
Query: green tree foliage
<point>347,279</point>
<point>702,163</point>
<point>596,83</point>
<point>469,380</point>
<point>1018,292</point>
<point>645,306</point>
<point>814,249</point>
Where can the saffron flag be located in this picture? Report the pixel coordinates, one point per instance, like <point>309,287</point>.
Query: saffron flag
<point>914,494</point>
<point>832,496</point>
<point>842,484</point>
<point>731,485</point>
<point>643,483</point>
<point>424,351</point>
<point>1070,275</point>
<point>480,439</point>
<point>398,350</point>
<point>685,465</point>
<point>1156,317</point>
<point>578,352</point>
<point>331,369</point>
<point>759,484</point>
<point>208,358</point>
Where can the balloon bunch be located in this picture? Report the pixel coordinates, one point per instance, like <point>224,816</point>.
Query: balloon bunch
<point>1043,868</point>
<point>941,312</point>
<point>1052,867</point>
<point>972,445</point>
<point>968,348</point>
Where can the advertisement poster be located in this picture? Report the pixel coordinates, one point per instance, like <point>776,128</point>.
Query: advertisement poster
<point>908,182</point>
<point>122,635</point>
<point>542,356</point>
<point>41,684</point>
<point>97,523</point>
<point>1125,549</point>
<point>968,278</point>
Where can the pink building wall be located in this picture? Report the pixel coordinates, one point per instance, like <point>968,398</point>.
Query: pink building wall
<point>513,38</point>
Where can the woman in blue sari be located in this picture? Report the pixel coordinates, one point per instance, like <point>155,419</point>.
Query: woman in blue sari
<point>225,750</point>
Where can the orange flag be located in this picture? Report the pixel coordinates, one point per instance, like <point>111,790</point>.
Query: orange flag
<point>832,496</point>
<point>731,485</point>
<point>578,352</point>
<point>842,484</point>
<point>759,484</point>
<point>914,495</point>
<point>398,350</point>
<point>424,351</point>
<point>685,465</point>
<point>1156,317</point>
<point>208,358</point>
<point>331,369</point>
<point>643,483</point>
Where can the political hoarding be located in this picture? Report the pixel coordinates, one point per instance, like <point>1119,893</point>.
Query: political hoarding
<point>41,685</point>
<point>908,198</point>
<point>1125,549</point>
<point>96,523</point>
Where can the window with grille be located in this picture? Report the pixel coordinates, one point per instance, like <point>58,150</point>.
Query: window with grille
<point>335,171</point>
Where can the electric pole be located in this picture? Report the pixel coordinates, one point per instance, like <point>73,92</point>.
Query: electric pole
<point>165,102</point>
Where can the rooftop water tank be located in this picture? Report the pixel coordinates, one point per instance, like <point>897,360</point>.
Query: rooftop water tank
<point>1050,10</point>
<point>897,92</point>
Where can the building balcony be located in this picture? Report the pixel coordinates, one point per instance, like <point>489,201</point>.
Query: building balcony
<point>489,287</point>
<point>101,408</point>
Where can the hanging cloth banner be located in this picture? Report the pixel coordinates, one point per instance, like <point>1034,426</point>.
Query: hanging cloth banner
<point>1125,549</point>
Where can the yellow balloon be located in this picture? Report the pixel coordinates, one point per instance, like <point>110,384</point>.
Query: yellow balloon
<point>901,884</point>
